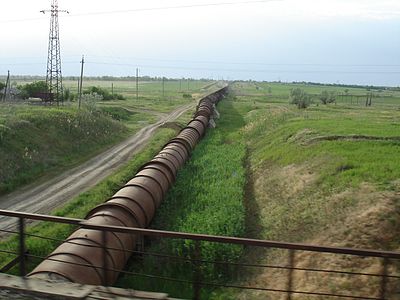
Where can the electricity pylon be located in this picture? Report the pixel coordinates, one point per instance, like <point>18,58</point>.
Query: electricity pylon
<point>54,75</point>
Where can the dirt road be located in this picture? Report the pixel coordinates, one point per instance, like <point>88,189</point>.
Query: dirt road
<point>49,195</point>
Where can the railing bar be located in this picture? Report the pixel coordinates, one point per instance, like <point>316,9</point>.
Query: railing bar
<point>215,262</point>
<point>8,231</point>
<point>9,252</point>
<point>290,275</point>
<point>244,241</point>
<point>219,262</point>
<point>39,217</point>
<point>384,280</point>
<point>21,247</point>
<point>209,238</point>
<point>207,283</point>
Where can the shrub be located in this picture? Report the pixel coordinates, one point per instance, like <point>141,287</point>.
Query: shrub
<point>327,97</point>
<point>300,98</point>
<point>105,94</point>
<point>33,89</point>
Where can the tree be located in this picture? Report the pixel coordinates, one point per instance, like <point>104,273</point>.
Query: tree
<point>300,98</point>
<point>327,97</point>
<point>33,89</point>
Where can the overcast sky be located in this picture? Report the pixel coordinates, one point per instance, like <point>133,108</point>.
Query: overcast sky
<point>335,41</point>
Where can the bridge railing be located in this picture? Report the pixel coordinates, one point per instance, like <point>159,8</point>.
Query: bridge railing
<point>291,270</point>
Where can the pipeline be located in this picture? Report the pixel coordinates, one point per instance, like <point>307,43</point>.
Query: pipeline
<point>79,258</point>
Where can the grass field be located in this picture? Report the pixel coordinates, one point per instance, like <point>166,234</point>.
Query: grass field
<point>321,175</point>
<point>37,141</point>
<point>306,172</point>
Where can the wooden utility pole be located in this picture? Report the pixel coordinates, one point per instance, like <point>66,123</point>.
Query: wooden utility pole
<point>80,83</point>
<point>137,84</point>
<point>163,87</point>
<point>7,88</point>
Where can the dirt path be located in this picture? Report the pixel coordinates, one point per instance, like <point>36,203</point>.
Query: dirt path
<point>54,193</point>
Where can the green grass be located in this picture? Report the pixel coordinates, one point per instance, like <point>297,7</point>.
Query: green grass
<point>82,204</point>
<point>206,198</point>
<point>37,140</point>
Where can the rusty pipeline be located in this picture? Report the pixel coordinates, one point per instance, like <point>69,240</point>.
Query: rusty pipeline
<point>81,257</point>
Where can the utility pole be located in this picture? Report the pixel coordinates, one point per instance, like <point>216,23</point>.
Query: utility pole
<point>137,84</point>
<point>80,83</point>
<point>163,87</point>
<point>53,75</point>
<point>7,88</point>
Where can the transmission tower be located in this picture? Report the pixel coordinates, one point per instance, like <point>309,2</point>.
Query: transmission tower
<point>54,76</point>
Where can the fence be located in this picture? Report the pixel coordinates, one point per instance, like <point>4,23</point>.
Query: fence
<point>196,281</point>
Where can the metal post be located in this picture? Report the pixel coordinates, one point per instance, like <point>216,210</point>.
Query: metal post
<point>137,84</point>
<point>384,280</point>
<point>80,84</point>
<point>163,87</point>
<point>22,267</point>
<point>104,242</point>
<point>7,88</point>
<point>290,275</point>
<point>197,271</point>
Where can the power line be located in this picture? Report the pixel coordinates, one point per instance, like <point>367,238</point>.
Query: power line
<point>245,70</point>
<point>204,62</point>
<point>248,63</point>
<point>173,7</point>
<point>149,9</point>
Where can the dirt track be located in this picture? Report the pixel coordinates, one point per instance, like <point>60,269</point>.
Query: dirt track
<point>51,194</point>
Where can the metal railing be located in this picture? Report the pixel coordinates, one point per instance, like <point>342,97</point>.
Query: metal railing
<point>387,257</point>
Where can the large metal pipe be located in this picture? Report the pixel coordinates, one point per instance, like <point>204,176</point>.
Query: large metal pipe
<point>81,257</point>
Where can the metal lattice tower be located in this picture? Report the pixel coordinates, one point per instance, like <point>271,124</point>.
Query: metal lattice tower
<point>54,75</point>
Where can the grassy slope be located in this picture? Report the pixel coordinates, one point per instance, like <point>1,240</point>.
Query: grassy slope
<point>35,140</point>
<point>78,207</point>
<point>303,189</point>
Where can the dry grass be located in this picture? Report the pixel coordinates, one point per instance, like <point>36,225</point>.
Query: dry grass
<point>374,222</point>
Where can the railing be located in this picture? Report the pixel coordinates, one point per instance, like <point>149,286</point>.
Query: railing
<point>388,259</point>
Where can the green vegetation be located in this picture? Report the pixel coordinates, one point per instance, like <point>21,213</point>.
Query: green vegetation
<point>103,93</point>
<point>38,140</point>
<point>328,97</point>
<point>300,98</point>
<point>312,170</point>
<point>206,198</point>
<point>81,205</point>
<point>35,141</point>
<point>32,89</point>
<point>269,171</point>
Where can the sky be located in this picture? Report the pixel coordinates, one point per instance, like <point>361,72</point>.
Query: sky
<point>329,41</point>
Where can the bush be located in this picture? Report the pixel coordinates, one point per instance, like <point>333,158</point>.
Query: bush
<point>327,97</point>
<point>33,89</point>
<point>300,98</point>
<point>105,94</point>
